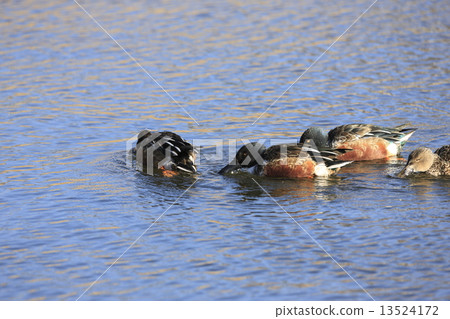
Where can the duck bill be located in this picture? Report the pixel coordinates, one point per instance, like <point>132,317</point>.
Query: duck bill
<point>406,171</point>
<point>230,168</point>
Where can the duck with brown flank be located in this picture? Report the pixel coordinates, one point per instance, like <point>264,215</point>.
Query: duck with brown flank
<point>287,160</point>
<point>367,142</point>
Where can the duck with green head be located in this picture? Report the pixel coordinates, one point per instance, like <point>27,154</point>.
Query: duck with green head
<point>367,142</point>
<point>287,160</point>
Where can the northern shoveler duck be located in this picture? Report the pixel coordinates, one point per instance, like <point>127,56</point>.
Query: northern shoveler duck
<point>286,160</point>
<point>367,142</point>
<point>423,160</point>
<point>165,151</point>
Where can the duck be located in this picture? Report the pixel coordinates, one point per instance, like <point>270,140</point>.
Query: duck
<point>286,160</point>
<point>166,152</point>
<point>423,160</point>
<point>367,141</point>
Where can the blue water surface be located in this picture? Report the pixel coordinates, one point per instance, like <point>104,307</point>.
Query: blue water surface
<point>71,98</point>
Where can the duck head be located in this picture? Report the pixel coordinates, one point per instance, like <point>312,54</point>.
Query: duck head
<point>315,134</point>
<point>420,160</point>
<point>248,156</point>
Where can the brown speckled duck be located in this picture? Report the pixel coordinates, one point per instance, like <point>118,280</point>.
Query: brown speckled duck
<point>423,160</point>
